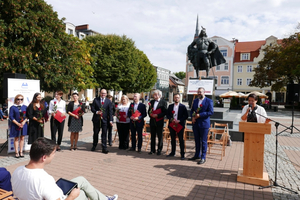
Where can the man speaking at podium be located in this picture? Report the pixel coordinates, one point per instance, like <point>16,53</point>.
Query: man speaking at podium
<point>253,112</point>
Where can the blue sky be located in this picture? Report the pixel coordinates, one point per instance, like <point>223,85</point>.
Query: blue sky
<point>163,29</point>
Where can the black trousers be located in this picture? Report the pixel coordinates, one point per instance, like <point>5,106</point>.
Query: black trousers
<point>109,134</point>
<point>56,126</point>
<point>123,130</point>
<point>139,131</point>
<point>156,130</point>
<point>103,134</point>
<point>173,141</point>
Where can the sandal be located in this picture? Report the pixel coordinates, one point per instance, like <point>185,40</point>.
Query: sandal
<point>75,147</point>
<point>21,154</point>
<point>17,155</point>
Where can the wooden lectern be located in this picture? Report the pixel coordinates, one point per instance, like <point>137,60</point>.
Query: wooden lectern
<point>254,140</point>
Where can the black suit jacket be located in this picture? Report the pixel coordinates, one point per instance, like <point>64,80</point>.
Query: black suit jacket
<point>71,109</point>
<point>182,114</point>
<point>107,114</point>
<point>162,104</point>
<point>142,108</point>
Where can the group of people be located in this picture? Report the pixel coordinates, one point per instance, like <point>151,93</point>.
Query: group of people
<point>130,116</point>
<point>31,120</point>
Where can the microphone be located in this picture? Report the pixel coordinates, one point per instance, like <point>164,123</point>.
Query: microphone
<point>250,106</point>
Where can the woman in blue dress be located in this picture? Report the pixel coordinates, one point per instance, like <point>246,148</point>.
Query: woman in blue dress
<point>18,124</point>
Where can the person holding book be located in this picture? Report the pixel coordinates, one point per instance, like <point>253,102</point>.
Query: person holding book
<point>123,122</point>
<point>177,115</point>
<point>33,182</point>
<point>57,110</point>
<point>75,110</point>
<point>36,111</point>
<point>137,113</point>
<point>157,111</point>
<point>18,124</point>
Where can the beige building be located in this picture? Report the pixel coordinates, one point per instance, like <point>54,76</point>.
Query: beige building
<point>247,56</point>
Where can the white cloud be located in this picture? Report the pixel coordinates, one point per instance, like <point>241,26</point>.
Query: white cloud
<point>163,28</point>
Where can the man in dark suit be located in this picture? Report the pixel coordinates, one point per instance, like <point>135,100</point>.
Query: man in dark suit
<point>102,109</point>
<point>201,111</point>
<point>178,113</point>
<point>137,123</point>
<point>157,105</point>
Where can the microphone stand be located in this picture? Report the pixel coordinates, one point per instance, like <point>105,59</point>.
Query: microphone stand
<point>275,184</point>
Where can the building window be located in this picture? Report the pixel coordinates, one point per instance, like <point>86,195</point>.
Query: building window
<point>239,81</point>
<point>248,81</point>
<point>240,69</point>
<point>225,80</point>
<point>215,41</point>
<point>249,68</point>
<point>245,56</point>
<point>81,36</point>
<point>218,68</point>
<point>190,68</point>
<point>70,31</point>
<point>226,67</point>
<point>224,52</point>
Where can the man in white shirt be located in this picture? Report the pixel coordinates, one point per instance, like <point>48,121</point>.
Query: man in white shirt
<point>32,182</point>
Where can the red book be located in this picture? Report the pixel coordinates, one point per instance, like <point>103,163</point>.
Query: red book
<point>76,112</point>
<point>157,111</point>
<point>136,114</point>
<point>122,116</point>
<point>176,127</point>
<point>58,116</point>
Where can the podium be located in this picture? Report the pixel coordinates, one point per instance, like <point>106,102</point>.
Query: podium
<point>254,140</point>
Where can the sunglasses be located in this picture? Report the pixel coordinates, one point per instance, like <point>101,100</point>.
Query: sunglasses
<point>20,99</point>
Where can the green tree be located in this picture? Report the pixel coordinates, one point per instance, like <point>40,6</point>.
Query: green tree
<point>119,65</point>
<point>180,75</point>
<point>33,42</point>
<point>280,65</point>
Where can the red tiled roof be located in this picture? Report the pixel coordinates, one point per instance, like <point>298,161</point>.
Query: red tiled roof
<point>246,47</point>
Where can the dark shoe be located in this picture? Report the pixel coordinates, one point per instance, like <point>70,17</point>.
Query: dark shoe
<point>21,155</point>
<point>158,153</point>
<point>140,151</point>
<point>58,149</point>
<point>110,145</point>
<point>171,155</point>
<point>202,161</point>
<point>105,151</point>
<point>131,149</point>
<point>182,158</point>
<point>93,149</point>
<point>17,155</point>
<point>75,147</point>
<point>194,158</point>
<point>150,153</point>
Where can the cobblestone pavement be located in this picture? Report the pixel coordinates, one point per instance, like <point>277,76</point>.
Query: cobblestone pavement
<point>157,177</point>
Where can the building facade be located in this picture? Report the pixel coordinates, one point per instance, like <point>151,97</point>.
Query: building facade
<point>247,56</point>
<point>162,82</point>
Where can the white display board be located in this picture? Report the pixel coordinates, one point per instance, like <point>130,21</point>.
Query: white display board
<point>193,86</point>
<point>27,88</point>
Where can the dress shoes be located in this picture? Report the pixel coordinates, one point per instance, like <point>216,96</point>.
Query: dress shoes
<point>182,158</point>
<point>150,153</point>
<point>93,149</point>
<point>202,161</point>
<point>140,151</point>
<point>171,155</point>
<point>131,149</point>
<point>158,153</point>
<point>194,158</point>
<point>105,151</point>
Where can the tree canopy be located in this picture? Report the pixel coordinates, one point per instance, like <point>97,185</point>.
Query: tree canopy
<point>119,65</point>
<point>180,75</point>
<point>280,65</point>
<point>33,42</point>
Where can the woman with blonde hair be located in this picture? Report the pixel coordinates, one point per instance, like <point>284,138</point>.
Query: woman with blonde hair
<point>123,122</point>
<point>18,125</point>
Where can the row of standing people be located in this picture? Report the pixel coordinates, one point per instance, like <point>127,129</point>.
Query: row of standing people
<point>176,113</point>
<point>37,113</point>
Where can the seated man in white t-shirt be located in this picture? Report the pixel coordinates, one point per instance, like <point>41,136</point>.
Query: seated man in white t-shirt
<point>33,182</point>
